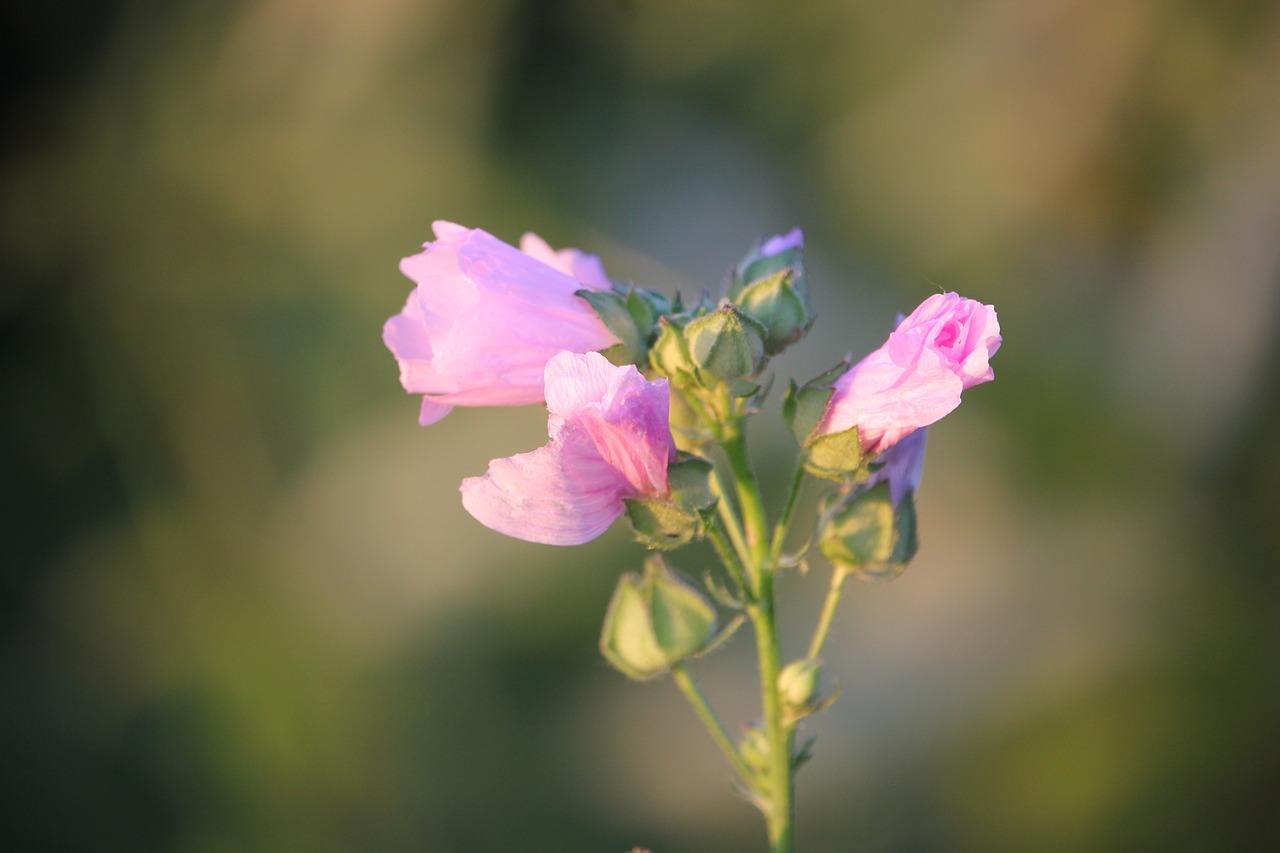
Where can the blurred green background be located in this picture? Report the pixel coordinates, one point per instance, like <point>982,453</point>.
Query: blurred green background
<point>241,606</point>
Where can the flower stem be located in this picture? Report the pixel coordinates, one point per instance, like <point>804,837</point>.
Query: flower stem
<point>684,680</point>
<point>730,519</point>
<point>829,608</point>
<point>779,806</point>
<point>777,802</point>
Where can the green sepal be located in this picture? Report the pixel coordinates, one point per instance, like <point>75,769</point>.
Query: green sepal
<point>612,309</point>
<point>804,405</point>
<point>662,524</point>
<point>804,754</point>
<point>690,480</point>
<point>643,312</point>
<point>655,621</point>
<point>835,456</point>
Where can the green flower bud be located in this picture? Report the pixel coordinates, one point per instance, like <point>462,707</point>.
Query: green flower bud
<point>726,345</point>
<point>669,356</point>
<point>868,536</point>
<point>799,684</point>
<point>780,307</point>
<point>655,621</point>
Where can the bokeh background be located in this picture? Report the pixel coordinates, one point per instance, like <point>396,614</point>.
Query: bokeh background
<point>241,607</point>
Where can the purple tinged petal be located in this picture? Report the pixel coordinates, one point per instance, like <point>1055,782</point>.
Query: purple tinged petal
<point>793,239</point>
<point>903,465</point>
<point>432,411</point>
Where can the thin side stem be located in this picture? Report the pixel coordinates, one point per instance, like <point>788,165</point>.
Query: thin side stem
<point>684,680</point>
<point>732,525</point>
<point>730,558</point>
<point>829,608</point>
<point>755,523</point>
<point>784,521</point>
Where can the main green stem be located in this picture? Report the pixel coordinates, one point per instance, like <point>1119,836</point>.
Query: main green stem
<point>779,808</point>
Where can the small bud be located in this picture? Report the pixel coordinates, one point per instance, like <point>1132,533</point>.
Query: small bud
<point>868,536</point>
<point>726,345</point>
<point>780,307</point>
<point>798,684</point>
<point>655,621</point>
<point>785,251</point>
<point>669,356</point>
<point>755,751</point>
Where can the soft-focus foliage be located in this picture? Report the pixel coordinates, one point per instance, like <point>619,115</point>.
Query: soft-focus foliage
<point>240,613</point>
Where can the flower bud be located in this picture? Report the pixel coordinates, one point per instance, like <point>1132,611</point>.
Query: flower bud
<point>799,684</point>
<point>785,251</point>
<point>868,536</point>
<point>726,345</point>
<point>655,621</point>
<point>669,356</point>
<point>780,306</point>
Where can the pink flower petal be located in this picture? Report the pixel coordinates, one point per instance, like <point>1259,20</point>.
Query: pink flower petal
<point>560,494</point>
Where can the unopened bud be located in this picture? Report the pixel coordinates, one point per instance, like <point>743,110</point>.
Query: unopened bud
<point>868,536</point>
<point>726,345</point>
<point>799,684</point>
<point>655,621</point>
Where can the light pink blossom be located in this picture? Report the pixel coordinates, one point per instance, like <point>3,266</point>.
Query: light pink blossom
<point>610,440</point>
<point>486,317</point>
<point>574,263</point>
<point>916,377</point>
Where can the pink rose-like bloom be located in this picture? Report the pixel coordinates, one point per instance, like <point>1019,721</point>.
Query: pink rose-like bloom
<point>610,440</point>
<point>486,317</point>
<point>916,377</point>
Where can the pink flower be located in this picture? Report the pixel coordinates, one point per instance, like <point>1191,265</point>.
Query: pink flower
<point>486,317</point>
<point>610,440</point>
<point>916,377</point>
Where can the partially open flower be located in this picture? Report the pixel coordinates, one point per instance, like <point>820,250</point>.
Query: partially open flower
<point>610,441</point>
<point>486,317</point>
<point>916,377</point>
